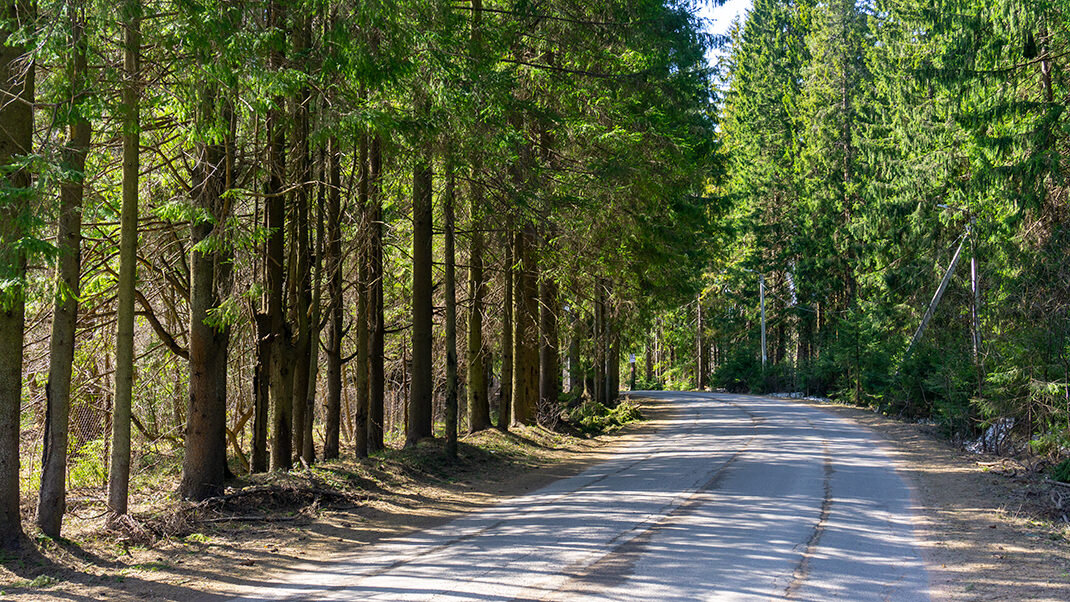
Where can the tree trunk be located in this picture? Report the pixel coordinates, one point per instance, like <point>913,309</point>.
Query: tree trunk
<point>16,138</point>
<point>613,361</point>
<point>376,373</point>
<point>51,502</point>
<point>526,354</point>
<point>334,304</point>
<point>308,450</point>
<point>302,282</point>
<point>478,401</point>
<point>505,403</point>
<point>205,460</point>
<point>575,371</point>
<point>599,345</point>
<point>549,361</point>
<point>119,473</point>
<point>700,344</point>
<point>360,414</point>
<point>280,386</point>
<point>261,403</point>
<point>451,318</point>
<point>648,363</point>
<point>419,414</point>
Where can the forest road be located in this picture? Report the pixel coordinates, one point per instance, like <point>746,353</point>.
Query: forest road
<point>736,497</point>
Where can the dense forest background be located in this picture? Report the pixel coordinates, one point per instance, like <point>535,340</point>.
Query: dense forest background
<point>246,235</point>
<point>895,164</point>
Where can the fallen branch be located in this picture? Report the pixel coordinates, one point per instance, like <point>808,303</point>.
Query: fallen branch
<point>1059,483</point>
<point>266,519</point>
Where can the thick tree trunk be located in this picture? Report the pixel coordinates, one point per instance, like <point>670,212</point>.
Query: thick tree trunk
<point>360,413</point>
<point>51,501</point>
<point>505,401</point>
<point>16,139</point>
<point>334,304</point>
<point>419,411</point>
<point>478,400</point>
<point>205,460</point>
<point>451,318</point>
<point>280,386</point>
<point>526,354</point>
<point>549,360</point>
<point>302,277</point>
<point>376,373</point>
<point>119,473</point>
<point>308,449</point>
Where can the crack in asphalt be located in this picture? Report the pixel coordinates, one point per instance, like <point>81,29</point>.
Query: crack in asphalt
<point>802,570</point>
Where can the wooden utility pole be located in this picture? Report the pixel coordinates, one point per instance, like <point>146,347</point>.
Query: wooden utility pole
<point>936,300</point>
<point>975,308</point>
<point>761,301</point>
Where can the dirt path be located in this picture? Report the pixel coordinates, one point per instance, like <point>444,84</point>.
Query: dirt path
<point>988,531</point>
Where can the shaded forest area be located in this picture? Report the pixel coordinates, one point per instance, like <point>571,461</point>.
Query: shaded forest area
<point>896,177</point>
<point>231,231</point>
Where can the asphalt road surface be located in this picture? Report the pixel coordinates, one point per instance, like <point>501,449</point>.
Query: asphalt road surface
<point>738,497</point>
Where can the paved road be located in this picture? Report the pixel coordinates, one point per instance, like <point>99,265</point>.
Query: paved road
<point>738,498</point>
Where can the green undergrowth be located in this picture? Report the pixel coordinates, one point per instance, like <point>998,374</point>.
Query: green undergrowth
<point>1061,471</point>
<point>593,418</point>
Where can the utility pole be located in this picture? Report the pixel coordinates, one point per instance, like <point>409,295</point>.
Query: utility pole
<point>761,304</point>
<point>761,298</point>
<point>936,301</point>
<point>975,293</point>
<point>975,310</point>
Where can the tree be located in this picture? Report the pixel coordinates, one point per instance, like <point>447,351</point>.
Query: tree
<point>451,314</point>
<point>16,140</point>
<point>119,471</point>
<point>51,502</point>
<point>478,401</point>
<point>419,409</point>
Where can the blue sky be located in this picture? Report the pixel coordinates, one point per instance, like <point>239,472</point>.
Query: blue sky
<point>721,16</point>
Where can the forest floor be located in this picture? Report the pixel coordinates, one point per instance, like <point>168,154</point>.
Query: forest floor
<point>992,528</point>
<point>173,550</point>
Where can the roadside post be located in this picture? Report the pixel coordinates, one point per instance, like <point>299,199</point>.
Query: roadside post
<point>631,360</point>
